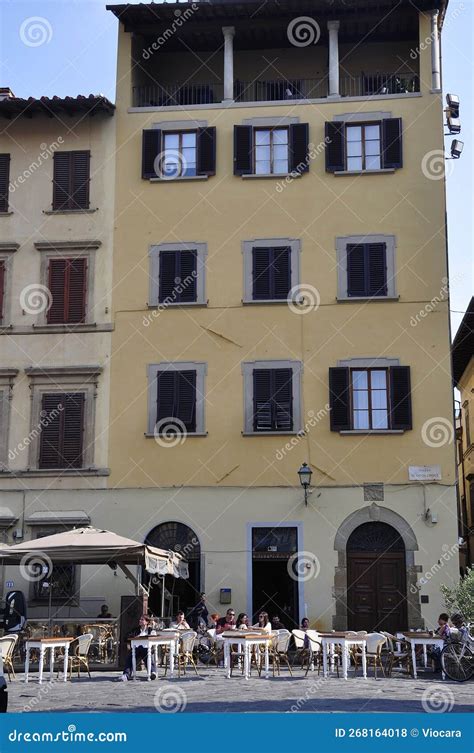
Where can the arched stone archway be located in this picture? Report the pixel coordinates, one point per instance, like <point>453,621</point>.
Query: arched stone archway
<point>369,514</point>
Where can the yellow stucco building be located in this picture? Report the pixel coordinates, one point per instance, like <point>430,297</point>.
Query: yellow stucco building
<point>279,233</point>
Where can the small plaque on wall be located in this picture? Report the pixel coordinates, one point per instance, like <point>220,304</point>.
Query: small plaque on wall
<point>225,596</point>
<point>424,473</point>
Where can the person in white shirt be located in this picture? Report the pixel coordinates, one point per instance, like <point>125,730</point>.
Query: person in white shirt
<point>144,628</point>
<point>264,622</point>
<point>180,623</point>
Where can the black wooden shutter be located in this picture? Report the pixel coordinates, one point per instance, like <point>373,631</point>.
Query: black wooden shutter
<point>151,148</point>
<point>299,141</point>
<point>339,399</point>
<point>57,288</point>
<point>62,428</point>
<point>80,179</point>
<point>4,181</point>
<point>176,398</point>
<point>261,273</point>
<point>392,156</point>
<point>2,288</point>
<point>76,277</point>
<point>281,273</point>
<point>356,277</point>
<point>334,135</point>
<point>187,276</point>
<point>165,398</point>
<point>168,272</point>
<point>61,180</point>
<point>178,276</point>
<point>400,398</point>
<point>376,255</point>
<point>73,429</point>
<point>283,399</point>
<point>262,400</point>
<point>242,150</point>
<point>272,400</point>
<point>206,151</point>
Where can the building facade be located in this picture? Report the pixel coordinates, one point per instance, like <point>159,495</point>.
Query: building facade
<point>278,237</point>
<point>57,182</point>
<point>463,375</point>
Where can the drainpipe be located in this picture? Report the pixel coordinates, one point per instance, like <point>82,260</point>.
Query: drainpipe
<point>228,32</point>
<point>435,56</point>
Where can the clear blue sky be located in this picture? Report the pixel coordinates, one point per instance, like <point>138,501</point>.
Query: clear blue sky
<point>80,58</point>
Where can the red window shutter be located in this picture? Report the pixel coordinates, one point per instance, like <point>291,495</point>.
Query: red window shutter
<point>62,430</point>
<point>61,180</point>
<point>2,288</point>
<point>76,276</point>
<point>57,288</point>
<point>4,181</point>
<point>73,430</point>
<point>51,406</point>
<point>80,178</point>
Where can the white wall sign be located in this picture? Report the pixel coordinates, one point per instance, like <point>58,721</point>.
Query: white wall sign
<point>424,472</point>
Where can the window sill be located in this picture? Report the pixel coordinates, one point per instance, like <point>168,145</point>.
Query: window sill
<point>375,299</point>
<point>190,304</point>
<point>70,211</point>
<point>54,472</point>
<point>383,171</point>
<point>179,180</point>
<point>271,302</point>
<point>52,329</point>
<point>266,176</point>
<point>373,431</point>
<point>5,214</point>
<point>272,434</point>
<point>190,434</point>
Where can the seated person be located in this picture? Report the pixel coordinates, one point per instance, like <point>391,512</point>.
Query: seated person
<point>458,622</point>
<point>264,622</point>
<point>214,619</point>
<point>227,622</point>
<point>104,613</point>
<point>277,624</point>
<point>180,623</point>
<point>444,632</point>
<point>242,621</point>
<point>304,627</point>
<point>143,629</point>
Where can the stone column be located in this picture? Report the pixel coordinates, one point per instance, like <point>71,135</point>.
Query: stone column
<point>228,32</point>
<point>435,57</point>
<point>333,28</point>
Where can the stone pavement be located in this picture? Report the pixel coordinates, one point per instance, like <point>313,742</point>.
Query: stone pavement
<point>212,692</point>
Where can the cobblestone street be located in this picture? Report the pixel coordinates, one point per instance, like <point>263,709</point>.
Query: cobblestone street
<point>212,692</point>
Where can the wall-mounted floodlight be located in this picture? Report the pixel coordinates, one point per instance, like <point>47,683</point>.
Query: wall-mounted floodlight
<point>456,148</point>
<point>452,100</point>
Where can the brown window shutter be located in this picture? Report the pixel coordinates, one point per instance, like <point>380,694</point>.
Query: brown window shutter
<point>392,156</point>
<point>61,180</point>
<point>80,179</point>
<point>339,399</point>
<point>2,288</point>
<point>62,429</point>
<point>4,181</point>
<point>299,141</point>
<point>334,135</point>
<point>151,148</point>
<point>73,430</point>
<point>243,149</point>
<point>206,151</point>
<point>57,288</point>
<point>51,406</point>
<point>400,398</point>
<point>76,279</point>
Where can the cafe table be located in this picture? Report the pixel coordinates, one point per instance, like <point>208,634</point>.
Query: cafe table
<point>246,641</point>
<point>43,645</point>
<point>345,641</point>
<point>424,640</point>
<point>168,639</point>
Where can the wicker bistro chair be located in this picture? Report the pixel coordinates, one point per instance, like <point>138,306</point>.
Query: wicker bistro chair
<point>315,653</point>
<point>374,643</point>
<point>279,650</point>
<point>302,651</point>
<point>79,654</point>
<point>355,651</point>
<point>7,647</point>
<point>185,655</point>
<point>397,657</point>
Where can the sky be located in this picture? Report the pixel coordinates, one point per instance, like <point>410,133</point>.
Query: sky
<point>77,55</point>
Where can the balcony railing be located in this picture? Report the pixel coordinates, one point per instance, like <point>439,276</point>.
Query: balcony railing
<point>362,85</point>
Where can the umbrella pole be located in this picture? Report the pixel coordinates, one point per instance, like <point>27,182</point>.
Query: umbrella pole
<point>50,600</point>
<point>163,597</point>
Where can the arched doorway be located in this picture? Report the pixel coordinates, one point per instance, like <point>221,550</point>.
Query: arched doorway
<point>179,593</point>
<point>376,578</point>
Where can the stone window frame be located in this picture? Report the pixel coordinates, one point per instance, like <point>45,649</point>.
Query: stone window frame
<point>247,371</point>
<point>63,379</point>
<point>247,248</point>
<point>7,250</point>
<point>370,363</point>
<point>341,256</point>
<point>7,378</point>
<point>154,284</point>
<point>69,250</point>
<point>179,126</point>
<point>200,367</point>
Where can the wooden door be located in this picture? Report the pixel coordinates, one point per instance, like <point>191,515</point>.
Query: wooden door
<point>376,591</point>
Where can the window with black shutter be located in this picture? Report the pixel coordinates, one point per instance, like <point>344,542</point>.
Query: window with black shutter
<point>271,151</point>
<point>271,273</point>
<point>2,288</point>
<point>62,429</point>
<point>67,285</point>
<point>358,147</point>
<point>4,181</point>
<point>71,177</point>
<point>178,277</point>
<point>366,270</point>
<point>272,400</point>
<point>176,402</point>
<point>178,154</point>
<point>370,399</point>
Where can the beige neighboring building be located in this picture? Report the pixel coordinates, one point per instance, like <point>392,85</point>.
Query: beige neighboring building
<point>463,375</point>
<point>57,172</point>
<point>259,162</point>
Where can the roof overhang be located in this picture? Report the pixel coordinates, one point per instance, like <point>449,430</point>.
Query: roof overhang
<point>14,107</point>
<point>463,345</point>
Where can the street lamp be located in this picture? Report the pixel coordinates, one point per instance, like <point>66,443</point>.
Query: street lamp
<point>305,474</point>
